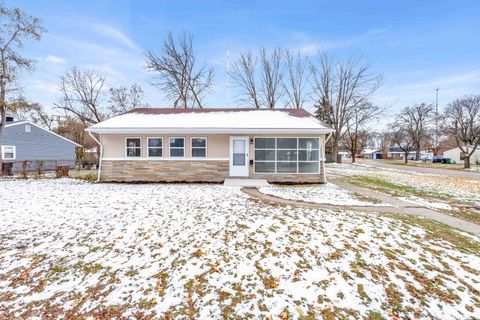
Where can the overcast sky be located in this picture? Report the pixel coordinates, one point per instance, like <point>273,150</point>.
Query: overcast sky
<point>417,45</point>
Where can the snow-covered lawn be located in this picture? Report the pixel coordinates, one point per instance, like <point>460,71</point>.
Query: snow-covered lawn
<point>447,187</point>
<point>70,249</point>
<point>323,193</point>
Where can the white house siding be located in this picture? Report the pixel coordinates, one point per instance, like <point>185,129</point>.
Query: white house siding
<point>454,155</point>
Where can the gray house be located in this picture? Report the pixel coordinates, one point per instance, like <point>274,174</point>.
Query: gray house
<point>24,140</point>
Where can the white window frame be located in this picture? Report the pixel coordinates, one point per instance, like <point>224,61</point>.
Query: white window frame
<point>320,158</point>
<point>14,153</point>
<point>170,148</point>
<point>192,147</point>
<point>126,147</point>
<point>28,128</point>
<point>148,148</point>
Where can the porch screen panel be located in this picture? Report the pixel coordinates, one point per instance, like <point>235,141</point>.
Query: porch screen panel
<point>287,155</point>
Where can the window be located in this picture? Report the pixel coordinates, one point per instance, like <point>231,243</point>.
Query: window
<point>28,128</point>
<point>8,152</point>
<point>133,147</point>
<point>265,155</point>
<point>155,147</point>
<point>199,147</point>
<point>177,147</point>
<point>287,155</point>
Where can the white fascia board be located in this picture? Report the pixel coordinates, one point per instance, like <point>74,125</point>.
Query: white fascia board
<point>211,130</point>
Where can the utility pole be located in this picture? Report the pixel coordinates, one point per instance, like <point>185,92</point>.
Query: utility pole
<point>436,102</point>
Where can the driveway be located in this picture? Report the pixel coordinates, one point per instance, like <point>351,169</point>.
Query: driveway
<point>439,171</point>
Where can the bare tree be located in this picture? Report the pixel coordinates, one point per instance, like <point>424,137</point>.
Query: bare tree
<point>434,139</point>
<point>402,138</point>
<point>385,141</point>
<point>416,120</point>
<point>339,87</point>
<point>356,136</point>
<point>243,75</point>
<point>82,95</point>
<point>23,110</point>
<point>123,99</point>
<point>260,79</point>
<point>272,77</point>
<point>462,120</point>
<point>180,77</point>
<point>356,141</point>
<point>15,28</point>
<point>295,79</point>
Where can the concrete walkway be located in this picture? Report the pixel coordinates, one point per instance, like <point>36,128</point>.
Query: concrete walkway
<point>397,206</point>
<point>428,170</point>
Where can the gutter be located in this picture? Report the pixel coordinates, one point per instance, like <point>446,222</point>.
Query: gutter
<point>99,171</point>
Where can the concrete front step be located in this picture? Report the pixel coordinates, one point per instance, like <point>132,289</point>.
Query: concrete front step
<point>246,182</point>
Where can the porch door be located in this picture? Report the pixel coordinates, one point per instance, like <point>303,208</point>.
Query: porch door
<point>239,157</point>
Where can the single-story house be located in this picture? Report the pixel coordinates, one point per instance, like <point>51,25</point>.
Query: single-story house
<point>210,145</point>
<point>398,153</point>
<point>372,153</point>
<point>458,156</point>
<point>26,141</point>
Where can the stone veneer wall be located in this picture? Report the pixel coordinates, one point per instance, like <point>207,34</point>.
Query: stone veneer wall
<point>164,171</point>
<point>187,171</point>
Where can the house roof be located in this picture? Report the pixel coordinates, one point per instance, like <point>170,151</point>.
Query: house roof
<point>370,151</point>
<point>16,123</point>
<point>169,120</point>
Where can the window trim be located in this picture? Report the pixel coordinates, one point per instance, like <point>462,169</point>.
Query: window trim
<point>2,150</point>
<point>192,147</point>
<point>320,154</point>
<point>170,148</point>
<point>126,147</point>
<point>148,148</point>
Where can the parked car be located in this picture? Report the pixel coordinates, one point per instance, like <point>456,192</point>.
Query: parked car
<point>440,159</point>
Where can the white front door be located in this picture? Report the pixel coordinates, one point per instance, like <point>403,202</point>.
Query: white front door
<point>239,157</point>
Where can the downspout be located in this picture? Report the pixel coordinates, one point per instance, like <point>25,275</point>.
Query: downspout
<point>99,171</point>
<point>324,179</point>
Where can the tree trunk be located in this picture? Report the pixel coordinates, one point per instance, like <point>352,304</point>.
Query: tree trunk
<point>406,157</point>
<point>334,142</point>
<point>466,162</point>
<point>417,154</point>
<point>353,157</point>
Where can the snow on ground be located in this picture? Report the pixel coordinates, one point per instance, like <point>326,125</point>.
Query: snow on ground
<point>425,203</point>
<point>452,188</point>
<point>69,249</point>
<point>323,193</point>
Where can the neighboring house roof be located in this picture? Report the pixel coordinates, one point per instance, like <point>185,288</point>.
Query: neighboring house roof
<point>370,151</point>
<point>399,150</point>
<point>169,120</point>
<point>16,123</point>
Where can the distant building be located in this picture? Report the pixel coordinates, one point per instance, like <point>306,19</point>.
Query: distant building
<point>457,155</point>
<point>372,153</point>
<point>26,141</point>
<point>399,154</point>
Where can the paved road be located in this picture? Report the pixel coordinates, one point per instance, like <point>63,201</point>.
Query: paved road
<point>439,171</point>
